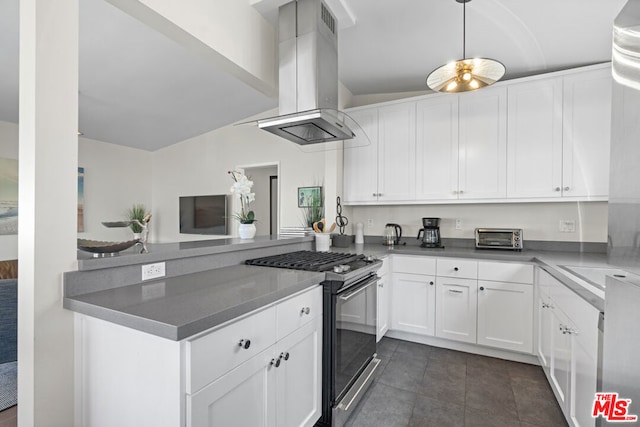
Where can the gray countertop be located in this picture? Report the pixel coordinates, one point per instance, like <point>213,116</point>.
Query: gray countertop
<point>177,250</point>
<point>550,261</point>
<point>179,307</point>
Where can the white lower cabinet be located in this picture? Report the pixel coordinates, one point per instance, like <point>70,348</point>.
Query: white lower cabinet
<point>456,308</point>
<point>280,386</point>
<point>413,304</point>
<point>567,348</point>
<point>505,315</point>
<point>246,396</point>
<point>264,369</point>
<point>384,284</point>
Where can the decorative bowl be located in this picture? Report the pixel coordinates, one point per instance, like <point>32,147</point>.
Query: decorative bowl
<point>99,247</point>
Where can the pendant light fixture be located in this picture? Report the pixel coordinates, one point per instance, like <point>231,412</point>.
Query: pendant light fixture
<point>465,74</point>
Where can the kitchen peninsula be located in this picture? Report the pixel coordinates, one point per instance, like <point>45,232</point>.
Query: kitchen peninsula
<point>190,341</point>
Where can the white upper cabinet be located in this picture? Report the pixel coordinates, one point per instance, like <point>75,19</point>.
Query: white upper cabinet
<point>534,139</point>
<point>360,175</point>
<point>587,133</point>
<point>396,152</point>
<point>437,148</point>
<point>483,144</point>
<point>543,138</point>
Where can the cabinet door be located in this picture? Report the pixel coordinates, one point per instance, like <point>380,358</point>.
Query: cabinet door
<point>534,139</point>
<point>396,152</point>
<point>360,167</point>
<point>299,377</point>
<point>456,308</point>
<point>244,397</point>
<point>383,307</point>
<point>560,366</point>
<point>584,381</point>
<point>587,133</point>
<point>505,315</point>
<point>544,331</point>
<point>413,303</point>
<point>483,144</point>
<point>437,148</point>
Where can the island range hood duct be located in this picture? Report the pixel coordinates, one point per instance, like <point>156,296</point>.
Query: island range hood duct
<point>308,76</point>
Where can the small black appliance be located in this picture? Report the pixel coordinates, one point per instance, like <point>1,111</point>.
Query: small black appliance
<point>430,233</point>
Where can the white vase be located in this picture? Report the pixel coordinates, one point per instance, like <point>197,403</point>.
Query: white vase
<point>247,231</point>
<point>137,236</point>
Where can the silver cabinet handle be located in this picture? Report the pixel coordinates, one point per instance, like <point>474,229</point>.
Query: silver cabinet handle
<point>482,288</point>
<point>455,291</point>
<point>244,343</point>
<point>567,188</point>
<point>431,283</point>
<point>379,194</point>
<point>557,189</point>
<point>381,285</point>
<point>374,194</point>
<point>461,191</point>
<point>305,310</point>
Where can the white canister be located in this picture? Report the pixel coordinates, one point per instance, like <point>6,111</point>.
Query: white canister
<point>359,233</point>
<point>323,241</point>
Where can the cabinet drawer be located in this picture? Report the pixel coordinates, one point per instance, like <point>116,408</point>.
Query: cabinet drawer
<point>413,265</point>
<point>211,355</point>
<point>505,272</point>
<point>292,313</point>
<point>457,268</point>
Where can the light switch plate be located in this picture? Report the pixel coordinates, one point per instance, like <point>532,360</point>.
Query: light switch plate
<point>458,224</point>
<point>153,271</point>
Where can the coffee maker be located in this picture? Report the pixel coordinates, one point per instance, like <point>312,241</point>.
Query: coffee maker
<point>430,233</point>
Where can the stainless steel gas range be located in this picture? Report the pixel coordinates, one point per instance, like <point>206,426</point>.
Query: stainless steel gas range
<point>349,325</point>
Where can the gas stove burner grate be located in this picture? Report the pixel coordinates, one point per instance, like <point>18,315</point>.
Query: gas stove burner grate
<point>305,260</point>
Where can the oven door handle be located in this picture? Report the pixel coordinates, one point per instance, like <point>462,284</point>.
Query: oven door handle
<point>348,295</point>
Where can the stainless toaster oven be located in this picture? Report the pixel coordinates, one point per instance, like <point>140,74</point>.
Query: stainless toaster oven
<point>499,238</point>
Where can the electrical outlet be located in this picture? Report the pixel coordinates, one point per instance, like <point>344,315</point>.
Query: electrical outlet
<point>458,224</point>
<point>153,271</point>
<point>567,226</point>
<point>370,223</point>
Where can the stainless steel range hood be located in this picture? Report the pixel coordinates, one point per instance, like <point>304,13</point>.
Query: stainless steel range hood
<point>308,76</point>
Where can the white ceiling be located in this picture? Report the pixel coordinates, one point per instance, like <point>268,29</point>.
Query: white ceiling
<point>140,89</point>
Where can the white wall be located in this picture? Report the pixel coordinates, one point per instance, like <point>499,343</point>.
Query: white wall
<point>538,220</point>
<point>116,177</point>
<point>199,166</point>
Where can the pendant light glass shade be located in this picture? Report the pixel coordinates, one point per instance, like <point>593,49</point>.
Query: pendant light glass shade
<point>465,74</point>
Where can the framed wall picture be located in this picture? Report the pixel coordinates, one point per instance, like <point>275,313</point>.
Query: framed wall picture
<point>309,196</point>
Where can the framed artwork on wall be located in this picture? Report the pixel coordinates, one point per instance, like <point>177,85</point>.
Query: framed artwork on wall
<point>309,197</point>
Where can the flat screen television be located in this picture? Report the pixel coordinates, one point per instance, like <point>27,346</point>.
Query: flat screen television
<point>203,214</point>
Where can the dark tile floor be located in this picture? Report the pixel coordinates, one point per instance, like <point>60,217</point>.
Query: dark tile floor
<point>425,386</point>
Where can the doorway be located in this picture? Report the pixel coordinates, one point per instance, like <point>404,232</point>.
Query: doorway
<point>266,205</point>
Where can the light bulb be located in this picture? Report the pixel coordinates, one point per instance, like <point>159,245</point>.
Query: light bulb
<point>474,84</point>
<point>452,85</point>
<point>466,76</point>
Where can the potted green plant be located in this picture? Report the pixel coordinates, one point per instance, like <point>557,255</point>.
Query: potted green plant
<point>315,211</point>
<point>136,212</point>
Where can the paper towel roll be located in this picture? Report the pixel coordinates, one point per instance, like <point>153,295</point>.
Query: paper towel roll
<point>359,233</point>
